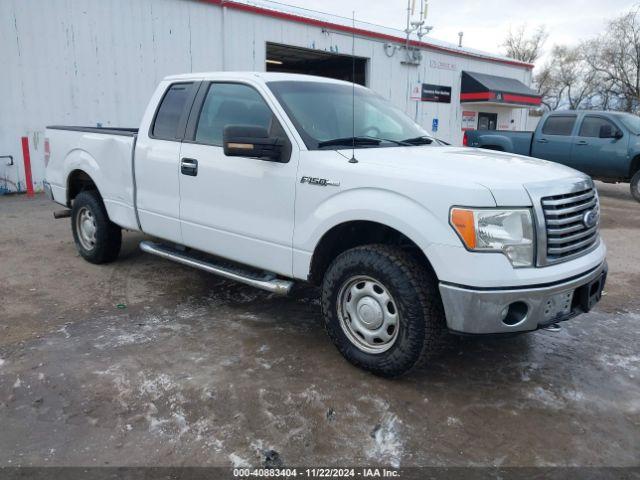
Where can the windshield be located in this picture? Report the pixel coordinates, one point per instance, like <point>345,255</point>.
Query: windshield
<point>632,122</point>
<point>322,114</point>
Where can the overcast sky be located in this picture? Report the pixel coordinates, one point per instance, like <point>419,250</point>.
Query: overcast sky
<point>485,23</point>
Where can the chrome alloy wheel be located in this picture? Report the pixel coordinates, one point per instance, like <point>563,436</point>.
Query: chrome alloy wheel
<point>86,228</point>
<point>368,314</point>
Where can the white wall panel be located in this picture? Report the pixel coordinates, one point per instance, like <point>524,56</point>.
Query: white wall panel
<point>88,62</point>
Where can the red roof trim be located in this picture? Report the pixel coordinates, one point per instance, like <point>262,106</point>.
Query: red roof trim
<point>359,31</point>
<point>469,97</point>
<point>507,98</point>
<point>529,100</point>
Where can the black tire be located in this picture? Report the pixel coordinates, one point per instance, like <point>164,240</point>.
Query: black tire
<point>422,326</point>
<point>635,186</point>
<point>108,235</point>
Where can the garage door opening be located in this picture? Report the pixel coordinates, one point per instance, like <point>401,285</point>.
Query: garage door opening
<point>288,59</point>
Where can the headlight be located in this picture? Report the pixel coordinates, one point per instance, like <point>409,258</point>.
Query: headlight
<point>491,230</point>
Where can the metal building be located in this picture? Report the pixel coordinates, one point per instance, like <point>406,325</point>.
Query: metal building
<point>96,62</point>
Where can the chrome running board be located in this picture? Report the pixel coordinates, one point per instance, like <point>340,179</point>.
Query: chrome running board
<point>267,282</point>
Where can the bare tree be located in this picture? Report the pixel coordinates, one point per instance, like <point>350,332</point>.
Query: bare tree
<point>615,56</point>
<point>567,80</point>
<point>549,87</point>
<point>525,47</point>
<point>580,81</point>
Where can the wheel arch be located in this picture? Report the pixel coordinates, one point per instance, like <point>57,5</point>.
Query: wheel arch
<point>496,142</point>
<point>497,148</point>
<point>354,233</point>
<point>83,173</point>
<point>77,181</point>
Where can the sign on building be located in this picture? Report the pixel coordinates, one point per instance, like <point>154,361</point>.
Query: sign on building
<point>440,65</point>
<point>469,120</point>
<point>416,91</point>
<point>435,93</point>
<point>427,92</point>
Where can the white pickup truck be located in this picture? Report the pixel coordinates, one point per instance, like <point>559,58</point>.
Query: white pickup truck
<point>270,178</point>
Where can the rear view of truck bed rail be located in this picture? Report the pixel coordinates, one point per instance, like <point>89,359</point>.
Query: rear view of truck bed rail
<point>129,132</point>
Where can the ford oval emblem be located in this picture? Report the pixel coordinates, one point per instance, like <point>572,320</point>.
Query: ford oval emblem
<point>590,219</point>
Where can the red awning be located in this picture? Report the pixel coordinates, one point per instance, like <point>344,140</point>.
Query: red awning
<point>491,89</point>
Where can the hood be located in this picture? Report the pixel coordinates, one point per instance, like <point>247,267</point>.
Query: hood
<point>504,174</point>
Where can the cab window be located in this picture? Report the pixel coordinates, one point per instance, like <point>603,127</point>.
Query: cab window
<point>591,126</point>
<point>559,125</point>
<point>165,124</point>
<point>232,104</point>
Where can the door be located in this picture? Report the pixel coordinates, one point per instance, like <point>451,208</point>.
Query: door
<point>600,148</point>
<point>238,208</point>
<point>554,141</point>
<point>487,121</point>
<point>156,163</point>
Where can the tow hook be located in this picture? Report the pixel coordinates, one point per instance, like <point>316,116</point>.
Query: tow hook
<point>66,213</point>
<point>554,327</point>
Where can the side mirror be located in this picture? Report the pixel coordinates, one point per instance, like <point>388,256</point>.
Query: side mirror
<point>618,134</point>
<point>251,141</point>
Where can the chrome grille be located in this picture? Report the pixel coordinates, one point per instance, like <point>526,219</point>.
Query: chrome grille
<point>568,235</point>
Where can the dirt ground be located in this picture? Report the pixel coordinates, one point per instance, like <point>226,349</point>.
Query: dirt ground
<point>145,362</point>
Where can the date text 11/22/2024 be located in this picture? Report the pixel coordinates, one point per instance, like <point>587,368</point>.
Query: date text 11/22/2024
<point>316,472</point>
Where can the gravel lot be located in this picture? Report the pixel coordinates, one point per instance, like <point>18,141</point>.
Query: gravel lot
<point>145,362</point>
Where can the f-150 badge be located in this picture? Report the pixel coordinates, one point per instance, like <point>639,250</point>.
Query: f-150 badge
<point>323,182</point>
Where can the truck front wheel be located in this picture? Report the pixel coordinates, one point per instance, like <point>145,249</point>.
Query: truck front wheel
<point>97,238</point>
<point>635,186</point>
<point>382,309</point>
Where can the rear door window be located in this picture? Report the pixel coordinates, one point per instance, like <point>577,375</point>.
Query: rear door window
<point>172,107</point>
<point>559,125</point>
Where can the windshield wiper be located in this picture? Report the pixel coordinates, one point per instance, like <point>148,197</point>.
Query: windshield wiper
<point>361,140</point>
<point>423,140</point>
<point>397,142</point>
<point>349,141</point>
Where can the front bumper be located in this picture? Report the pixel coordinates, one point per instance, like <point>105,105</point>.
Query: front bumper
<point>489,311</point>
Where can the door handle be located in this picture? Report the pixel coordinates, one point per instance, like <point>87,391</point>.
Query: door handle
<point>543,140</point>
<point>189,166</point>
<point>582,142</point>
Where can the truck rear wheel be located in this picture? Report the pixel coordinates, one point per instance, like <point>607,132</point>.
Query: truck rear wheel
<point>382,309</point>
<point>97,238</point>
<point>635,186</point>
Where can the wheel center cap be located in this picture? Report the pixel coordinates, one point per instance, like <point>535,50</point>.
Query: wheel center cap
<point>370,313</point>
<point>87,226</point>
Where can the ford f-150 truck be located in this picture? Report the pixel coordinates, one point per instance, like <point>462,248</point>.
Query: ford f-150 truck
<point>270,178</point>
<point>605,145</point>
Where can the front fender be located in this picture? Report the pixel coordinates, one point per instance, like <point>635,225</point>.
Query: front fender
<point>409,217</point>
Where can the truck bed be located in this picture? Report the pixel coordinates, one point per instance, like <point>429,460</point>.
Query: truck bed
<point>91,149</point>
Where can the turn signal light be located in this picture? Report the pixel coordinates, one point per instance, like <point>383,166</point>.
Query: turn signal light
<point>464,224</point>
